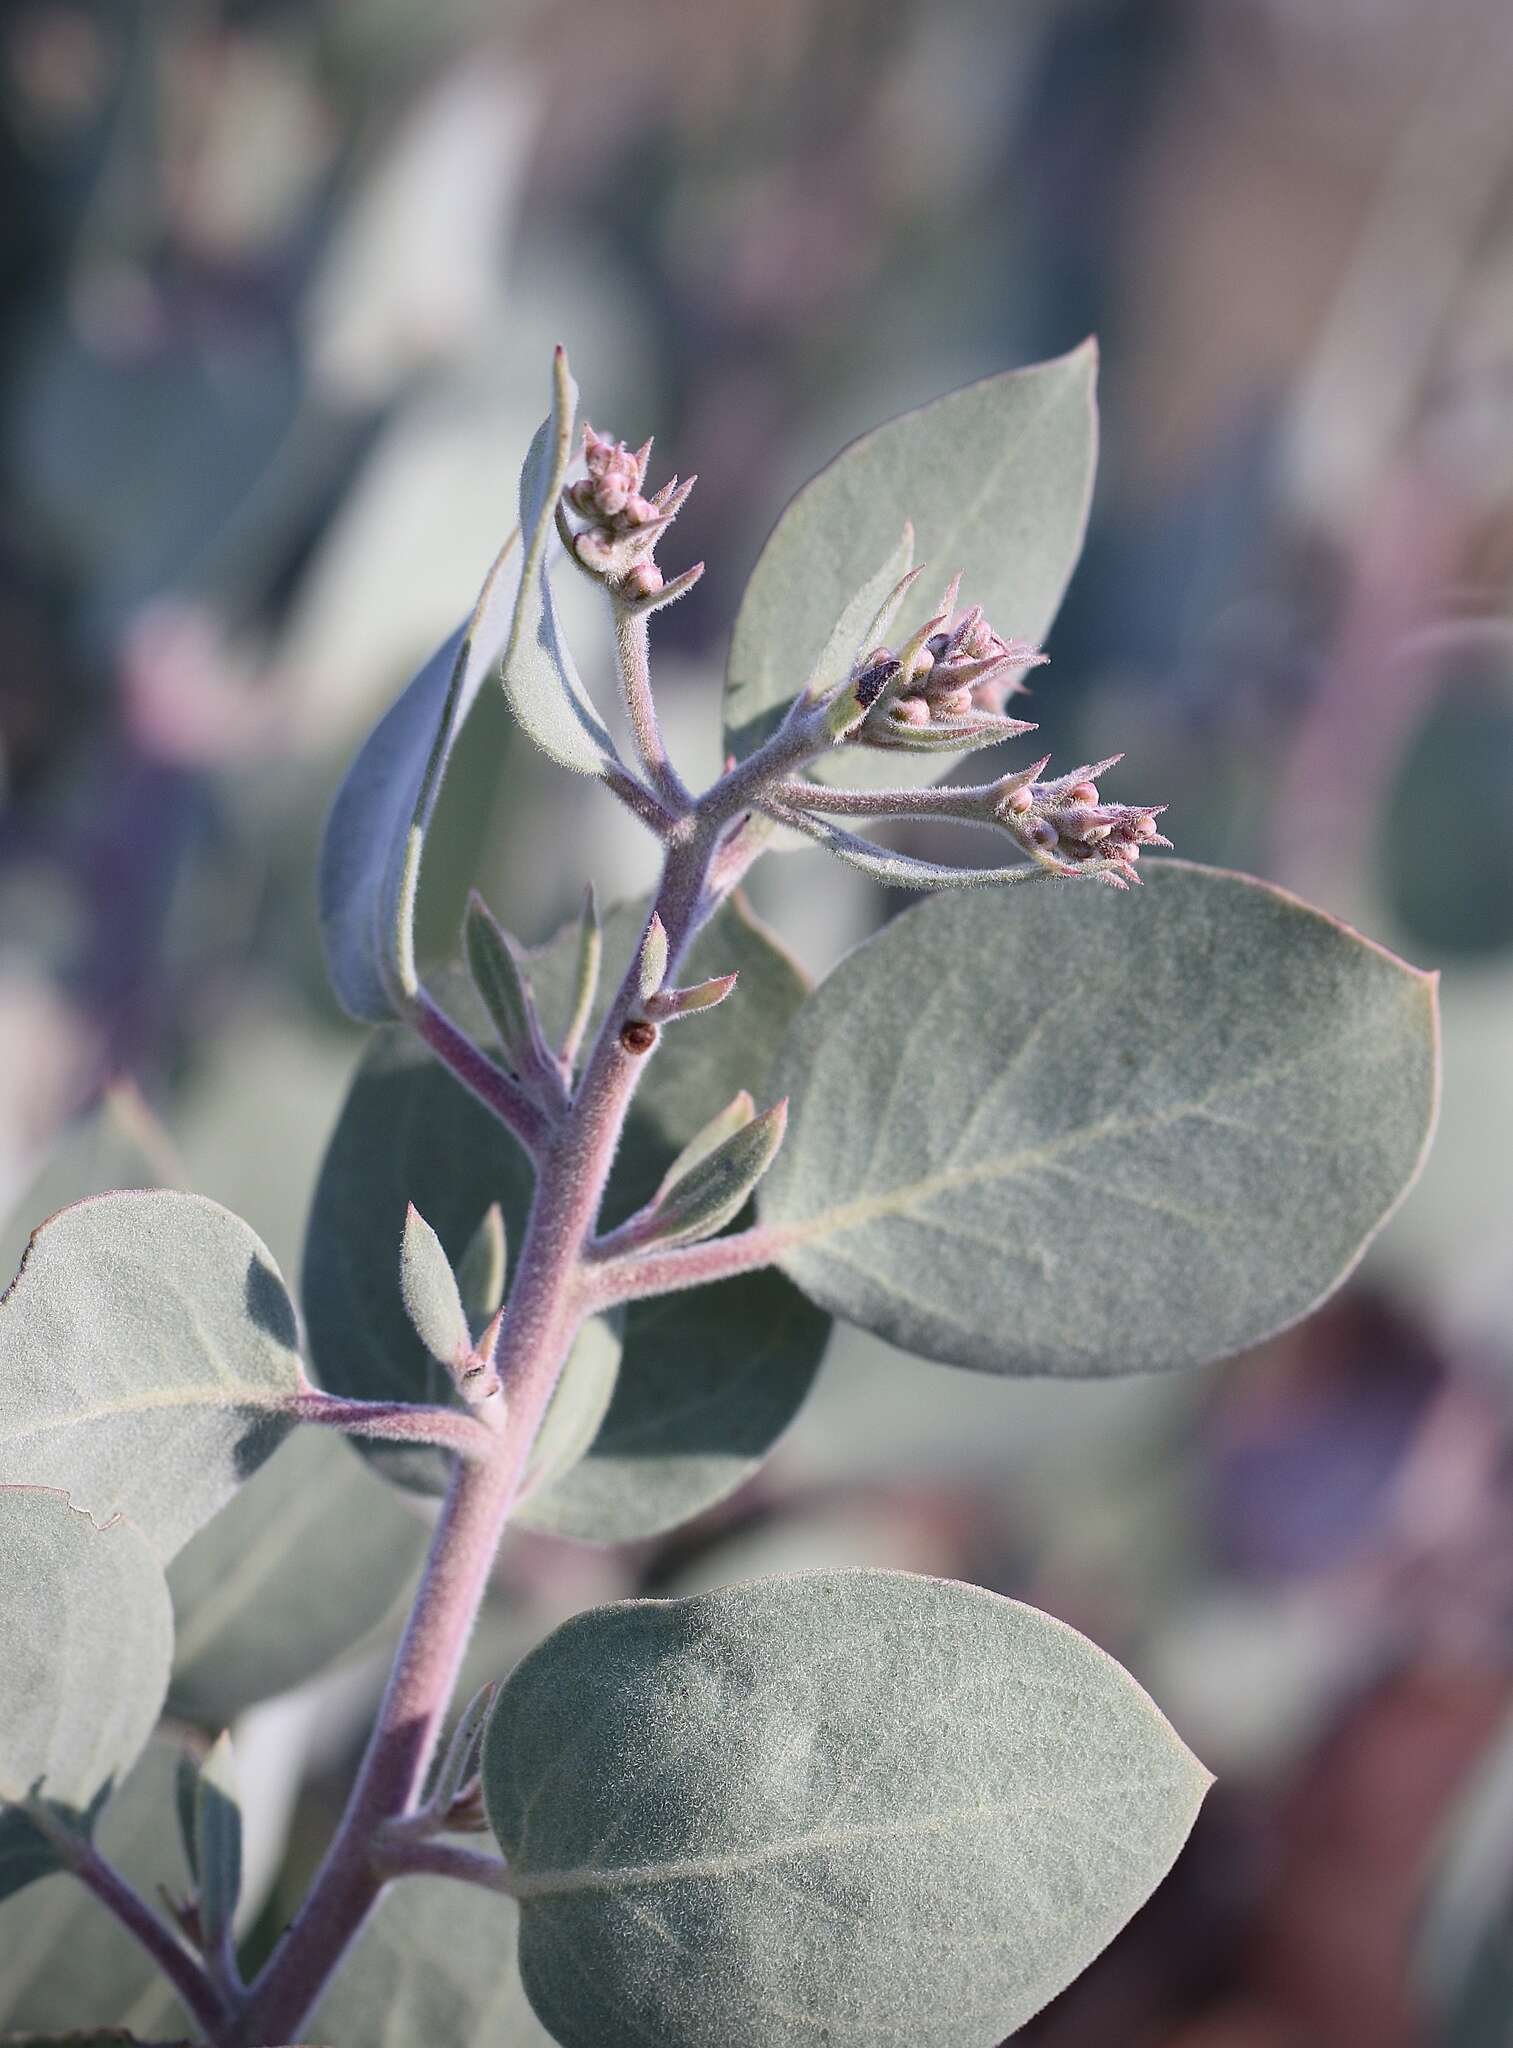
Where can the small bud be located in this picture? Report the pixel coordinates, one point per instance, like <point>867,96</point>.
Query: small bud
<point>638,511</point>
<point>911,711</point>
<point>642,579</point>
<point>956,704</point>
<point>1040,832</point>
<point>1018,801</point>
<point>583,498</point>
<point>1083,793</point>
<point>612,496</point>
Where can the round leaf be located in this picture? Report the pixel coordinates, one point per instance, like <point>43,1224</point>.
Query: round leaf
<point>1073,1132</point>
<point>996,480</point>
<point>850,1805</point>
<point>88,1633</point>
<point>148,1348</point>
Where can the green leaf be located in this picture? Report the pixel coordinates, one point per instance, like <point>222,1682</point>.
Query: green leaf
<point>410,1133</point>
<point>217,1859</point>
<point>149,1348</point>
<point>863,621</point>
<point>482,1268</point>
<point>1090,1133</point>
<point>712,1192</point>
<point>502,986</point>
<point>370,855</point>
<point>849,1805</point>
<point>735,1116</point>
<point>311,1556</point>
<point>87,1627</point>
<point>541,682</point>
<point>65,1962</point>
<point>435,1963</point>
<point>430,1292</point>
<point>996,480</point>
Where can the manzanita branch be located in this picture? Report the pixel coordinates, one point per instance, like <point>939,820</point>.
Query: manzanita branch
<point>494,1088</point>
<point>121,1898</point>
<point>395,1857</point>
<point>634,1276</point>
<point>397,1422</point>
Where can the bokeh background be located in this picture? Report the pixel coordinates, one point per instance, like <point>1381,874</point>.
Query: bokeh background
<point>279,287</point>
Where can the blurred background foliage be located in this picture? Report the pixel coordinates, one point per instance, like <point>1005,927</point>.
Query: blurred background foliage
<point>277,288</point>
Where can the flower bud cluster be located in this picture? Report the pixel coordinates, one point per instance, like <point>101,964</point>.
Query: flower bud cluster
<point>949,684</point>
<point>1065,826</point>
<point>624,526</point>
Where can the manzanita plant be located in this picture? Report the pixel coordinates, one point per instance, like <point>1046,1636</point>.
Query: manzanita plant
<point>1033,1125</point>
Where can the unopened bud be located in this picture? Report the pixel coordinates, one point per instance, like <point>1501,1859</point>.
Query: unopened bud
<point>1083,793</point>
<point>638,511</point>
<point>1018,801</point>
<point>955,704</point>
<point>584,498</point>
<point>644,579</point>
<point>911,711</point>
<point>593,545</point>
<point>1145,828</point>
<point>1040,832</point>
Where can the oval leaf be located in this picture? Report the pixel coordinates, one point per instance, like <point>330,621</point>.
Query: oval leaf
<point>88,1636</point>
<point>370,854</point>
<point>431,1297</point>
<point>996,480</point>
<point>149,1347</point>
<point>856,1805</point>
<point>712,1191</point>
<point>541,681</point>
<point>1082,1133</point>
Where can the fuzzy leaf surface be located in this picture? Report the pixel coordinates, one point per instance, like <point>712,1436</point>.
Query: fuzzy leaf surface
<point>541,681</point>
<point>87,1628</point>
<point>370,854</point>
<point>1097,1134</point>
<point>148,1349</point>
<point>848,1805</point>
<point>996,479</point>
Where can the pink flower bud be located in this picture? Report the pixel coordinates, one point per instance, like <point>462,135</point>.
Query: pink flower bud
<point>1041,832</point>
<point>612,495</point>
<point>644,580</point>
<point>583,498</point>
<point>912,711</point>
<point>1083,793</point>
<point>638,511</point>
<point>1018,801</point>
<point>593,545</point>
<point>955,704</point>
<point>1145,828</point>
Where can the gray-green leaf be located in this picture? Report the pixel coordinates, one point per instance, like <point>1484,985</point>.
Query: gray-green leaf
<point>150,1356</point>
<point>311,1556</point>
<point>541,681</point>
<point>712,1191</point>
<point>852,1805</point>
<point>88,1637</point>
<point>370,855</point>
<point>1074,1132</point>
<point>482,1268</point>
<point>996,479</point>
<point>431,1297</point>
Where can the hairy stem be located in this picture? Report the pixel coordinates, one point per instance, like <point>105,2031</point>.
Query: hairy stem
<point>968,804</point>
<point>633,651</point>
<point>402,1422</point>
<point>443,1859</point>
<point>546,1307</point>
<point>635,1275</point>
<point>494,1088</point>
<point>187,1976</point>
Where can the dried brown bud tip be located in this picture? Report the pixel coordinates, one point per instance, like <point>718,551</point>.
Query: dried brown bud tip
<point>638,1036</point>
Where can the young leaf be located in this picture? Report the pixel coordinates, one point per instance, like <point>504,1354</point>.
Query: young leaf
<point>217,1860</point>
<point>482,1268</point>
<point>541,681</point>
<point>856,1805</point>
<point>150,1356</point>
<point>1095,1134</point>
<point>714,1190</point>
<point>431,1297</point>
<point>370,855</point>
<point>87,1630</point>
<point>735,1116</point>
<point>505,992</point>
<point>310,1557</point>
<point>586,978</point>
<point>996,479</point>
